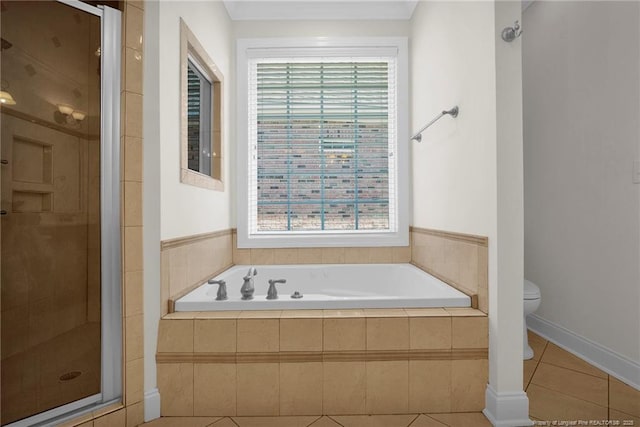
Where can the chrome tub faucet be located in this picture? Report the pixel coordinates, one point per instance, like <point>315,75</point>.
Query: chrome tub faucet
<point>222,289</point>
<point>248,288</point>
<point>272,293</point>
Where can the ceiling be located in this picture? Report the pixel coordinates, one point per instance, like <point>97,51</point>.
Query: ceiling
<point>242,10</point>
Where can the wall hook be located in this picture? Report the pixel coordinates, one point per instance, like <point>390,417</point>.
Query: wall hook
<point>509,34</point>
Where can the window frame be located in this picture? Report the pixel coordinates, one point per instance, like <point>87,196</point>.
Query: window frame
<point>248,49</point>
<point>191,51</point>
<point>205,88</point>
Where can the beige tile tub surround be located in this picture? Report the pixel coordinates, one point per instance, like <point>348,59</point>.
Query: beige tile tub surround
<point>461,260</point>
<point>558,403</point>
<point>214,400</point>
<point>186,262</point>
<point>365,255</point>
<point>314,362</point>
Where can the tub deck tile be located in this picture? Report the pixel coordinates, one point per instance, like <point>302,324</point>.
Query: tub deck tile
<point>260,314</point>
<point>464,311</point>
<point>427,312</point>
<point>384,312</point>
<point>231,314</point>
<point>342,313</point>
<point>301,314</point>
<point>181,315</point>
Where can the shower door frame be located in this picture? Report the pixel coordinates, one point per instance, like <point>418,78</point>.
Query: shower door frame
<point>110,235</point>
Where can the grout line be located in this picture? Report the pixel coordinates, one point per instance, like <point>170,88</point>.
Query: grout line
<point>437,421</point>
<point>413,420</point>
<point>537,365</point>
<point>571,397</point>
<point>608,397</point>
<point>312,422</point>
<point>564,367</point>
<point>334,421</point>
<point>451,329</point>
<point>625,413</point>
<point>442,422</point>
<point>577,371</point>
<point>526,387</point>
<point>571,369</point>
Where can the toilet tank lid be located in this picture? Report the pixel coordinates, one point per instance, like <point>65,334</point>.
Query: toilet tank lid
<point>531,290</point>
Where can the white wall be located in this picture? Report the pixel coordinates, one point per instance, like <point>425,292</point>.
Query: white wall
<point>453,63</point>
<point>172,209</point>
<point>254,29</point>
<point>186,209</point>
<point>467,171</point>
<point>582,132</point>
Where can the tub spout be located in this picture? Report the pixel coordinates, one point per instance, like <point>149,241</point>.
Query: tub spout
<point>248,289</point>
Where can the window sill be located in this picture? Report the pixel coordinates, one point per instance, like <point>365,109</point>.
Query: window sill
<point>187,176</point>
<point>322,239</point>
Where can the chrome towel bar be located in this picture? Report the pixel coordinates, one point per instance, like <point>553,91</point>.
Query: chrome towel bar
<point>452,112</point>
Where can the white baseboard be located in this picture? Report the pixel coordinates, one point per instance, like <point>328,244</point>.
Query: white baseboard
<point>595,354</point>
<point>151,404</point>
<point>507,409</point>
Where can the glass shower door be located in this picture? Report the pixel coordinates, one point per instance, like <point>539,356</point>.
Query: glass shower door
<point>51,216</point>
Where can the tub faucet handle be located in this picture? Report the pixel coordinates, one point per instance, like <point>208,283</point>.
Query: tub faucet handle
<point>222,289</point>
<point>272,293</point>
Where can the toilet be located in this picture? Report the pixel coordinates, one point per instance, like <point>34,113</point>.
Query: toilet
<point>531,304</point>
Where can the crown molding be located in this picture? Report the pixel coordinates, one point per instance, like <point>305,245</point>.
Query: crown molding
<point>254,10</point>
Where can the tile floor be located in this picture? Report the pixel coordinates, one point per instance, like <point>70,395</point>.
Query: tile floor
<point>560,386</point>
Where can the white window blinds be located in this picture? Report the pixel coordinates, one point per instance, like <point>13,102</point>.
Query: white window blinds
<point>322,138</point>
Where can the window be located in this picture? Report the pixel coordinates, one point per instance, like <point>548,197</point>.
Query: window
<point>198,123</point>
<point>201,86</point>
<point>326,157</point>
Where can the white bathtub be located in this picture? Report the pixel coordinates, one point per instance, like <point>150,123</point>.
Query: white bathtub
<point>329,286</point>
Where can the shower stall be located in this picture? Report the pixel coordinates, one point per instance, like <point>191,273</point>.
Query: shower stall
<point>60,271</point>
